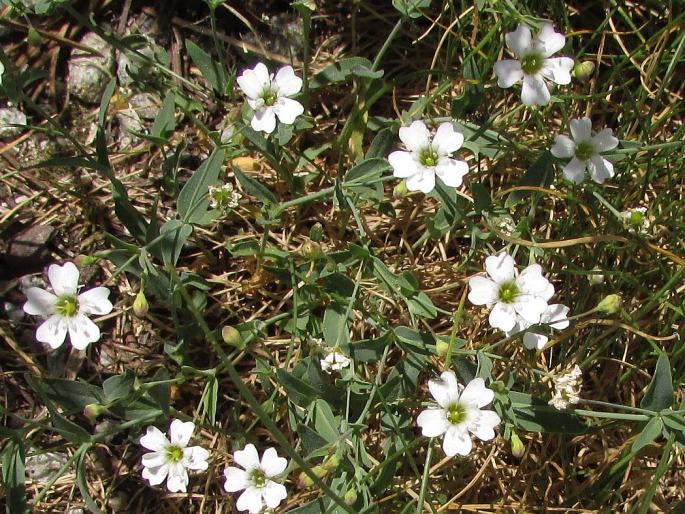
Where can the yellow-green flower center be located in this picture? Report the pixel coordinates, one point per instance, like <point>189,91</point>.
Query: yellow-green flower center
<point>585,150</point>
<point>429,157</point>
<point>532,63</point>
<point>258,478</point>
<point>636,219</point>
<point>508,291</point>
<point>269,96</point>
<point>456,413</point>
<point>174,453</point>
<point>66,306</point>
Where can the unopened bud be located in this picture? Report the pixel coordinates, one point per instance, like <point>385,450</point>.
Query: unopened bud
<point>231,336</point>
<point>331,463</point>
<point>400,190</point>
<point>350,496</point>
<point>92,411</point>
<point>583,70</point>
<point>610,304</point>
<point>140,305</point>
<point>311,250</point>
<point>498,386</point>
<point>306,481</point>
<point>86,260</point>
<point>316,232</point>
<point>517,446</point>
<point>441,348</point>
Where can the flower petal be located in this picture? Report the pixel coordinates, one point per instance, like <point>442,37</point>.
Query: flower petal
<point>236,479</point>
<point>432,422</point>
<point>445,389</point>
<point>457,441</point>
<point>502,316</point>
<point>154,439</point>
<point>452,172</point>
<point>475,393</point>
<point>519,41</point>
<point>447,140</point>
<point>177,481</point>
<point>548,41</point>
<point>416,136</point>
<point>563,147</point>
<point>483,291</point>
<point>95,301</point>
<point>247,458</point>
<point>581,129</point>
<point>195,457</point>
<point>63,279</point>
<point>154,459</point>
<point>508,72</point>
<point>534,91</point>
<point>271,464</point>
<point>605,140</point>
<point>534,341</point>
<point>423,181</point>
<point>558,70</point>
<point>287,83</point>
<point>501,267</point>
<point>156,476</point>
<point>264,120</point>
<point>180,432</point>
<point>274,493</point>
<point>530,307</point>
<point>532,282</point>
<point>557,316</point>
<point>600,169</point>
<point>52,331</point>
<point>250,500</point>
<point>39,302</point>
<point>253,81</point>
<point>403,164</point>
<point>575,171</point>
<point>287,110</point>
<point>82,332</point>
<point>484,426</point>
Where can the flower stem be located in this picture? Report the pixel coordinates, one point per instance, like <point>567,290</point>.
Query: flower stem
<point>424,480</point>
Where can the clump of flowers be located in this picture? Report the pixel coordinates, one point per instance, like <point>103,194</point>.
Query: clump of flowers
<point>334,359</point>
<point>636,220</point>
<point>426,158</point>
<point>224,197</point>
<point>171,458</point>
<point>64,310</point>
<point>460,411</point>
<point>512,297</point>
<point>269,96</point>
<point>256,479</point>
<point>567,389</point>
<point>584,150</point>
<point>534,63</point>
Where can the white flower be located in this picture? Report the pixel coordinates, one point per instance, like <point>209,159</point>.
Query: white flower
<point>426,159</point>
<point>567,389</point>
<point>256,478</point>
<point>334,361</point>
<point>595,277</point>
<point>65,311</point>
<point>171,458</point>
<point>224,197</point>
<point>459,413</point>
<point>556,316</point>
<point>269,96</point>
<point>511,296</point>
<point>534,63</point>
<point>584,151</point>
<point>635,220</point>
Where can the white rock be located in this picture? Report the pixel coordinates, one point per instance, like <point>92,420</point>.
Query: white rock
<point>89,74</point>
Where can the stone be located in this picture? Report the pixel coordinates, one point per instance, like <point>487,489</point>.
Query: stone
<point>11,116</point>
<point>89,74</point>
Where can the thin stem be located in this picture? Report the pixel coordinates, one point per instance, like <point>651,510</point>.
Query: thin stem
<point>424,480</point>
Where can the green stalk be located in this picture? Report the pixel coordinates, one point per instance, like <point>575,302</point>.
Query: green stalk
<point>424,480</point>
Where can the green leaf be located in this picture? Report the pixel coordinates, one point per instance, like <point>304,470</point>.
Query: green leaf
<point>82,481</point>
<point>367,171</point>
<point>211,70</point>
<point>71,395</point>
<point>420,305</point>
<point>118,387</point>
<point>299,392</point>
<point>326,424</point>
<point>255,188</point>
<point>368,350</point>
<point>659,394</point>
<point>651,431</point>
<point>540,174</point>
<point>172,237</point>
<point>339,71</point>
<point>335,329</point>
<point>481,197</point>
<point>535,415</point>
<point>381,145</point>
<point>165,121</point>
<point>411,8</point>
<point>14,476</point>
<point>193,199</point>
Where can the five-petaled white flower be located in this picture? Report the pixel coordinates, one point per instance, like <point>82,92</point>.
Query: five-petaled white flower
<point>269,96</point>
<point>534,63</point>
<point>256,478</point>
<point>426,159</point>
<point>171,458</point>
<point>511,296</point>
<point>636,220</point>
<point>460,412</point>
<point>555,316</point>
<point>65,311</point>
<point>333,358</point>
<point>585,150</point>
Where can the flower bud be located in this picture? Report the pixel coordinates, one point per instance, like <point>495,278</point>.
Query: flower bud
<point>86,260</point>
<point>140,305</point>
<point>441,348</point>
<point>316,232</point>
<point>331,462</point>
<point>400,190</point>
<point>93,410</point>
<point>350,496</point>
<point>517,446</point>
<point>498,386</point>
<point>231,336</point>
<point>583,70</point>
<point>306,481</point>
<point>610,304</point>
<point>311,250</point>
